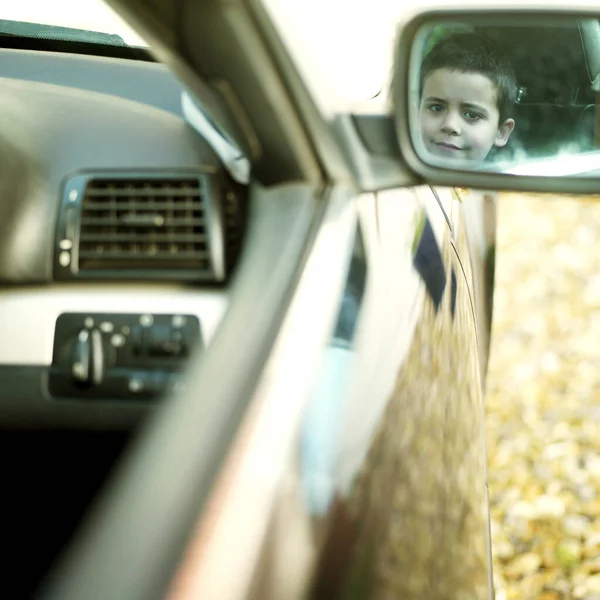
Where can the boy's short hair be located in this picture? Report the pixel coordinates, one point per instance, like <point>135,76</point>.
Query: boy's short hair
<point>474,53</point>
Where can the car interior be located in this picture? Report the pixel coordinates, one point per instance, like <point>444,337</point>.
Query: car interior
<point>121,235</point>
<point>554,66</point>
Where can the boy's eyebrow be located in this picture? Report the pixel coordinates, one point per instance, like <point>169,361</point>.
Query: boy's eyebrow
<point>478,107</point>
<point>434,99</point>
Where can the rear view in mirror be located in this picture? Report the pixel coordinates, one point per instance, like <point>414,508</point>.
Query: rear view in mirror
<point>510,94</point>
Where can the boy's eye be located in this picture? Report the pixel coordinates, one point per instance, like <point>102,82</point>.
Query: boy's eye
<point>472,116</point>
<point>435,107</point>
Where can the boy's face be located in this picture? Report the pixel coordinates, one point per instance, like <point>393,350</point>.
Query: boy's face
<point>458,116</point>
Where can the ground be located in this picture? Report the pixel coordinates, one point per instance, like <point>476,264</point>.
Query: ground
<point>543,399</point>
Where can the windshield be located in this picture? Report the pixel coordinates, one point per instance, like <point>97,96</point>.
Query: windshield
<point>88,15</point>
<point>343,50</point>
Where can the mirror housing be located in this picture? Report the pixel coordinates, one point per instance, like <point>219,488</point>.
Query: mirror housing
<point>558,173</point>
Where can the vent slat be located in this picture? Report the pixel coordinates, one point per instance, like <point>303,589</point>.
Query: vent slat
<point>110,222</point>
<point>146,206</point>
<point>143,255</point>
<point>150,192</point>
<point>135,238</point>
<point>143,224</point>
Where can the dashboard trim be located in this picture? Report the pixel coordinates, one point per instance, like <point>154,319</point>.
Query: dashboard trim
<point>28,315</point>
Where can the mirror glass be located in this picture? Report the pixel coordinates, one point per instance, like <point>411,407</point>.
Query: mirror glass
<point>506,94</point>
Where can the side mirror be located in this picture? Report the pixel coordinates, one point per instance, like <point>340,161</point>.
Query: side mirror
<point>500,99</point>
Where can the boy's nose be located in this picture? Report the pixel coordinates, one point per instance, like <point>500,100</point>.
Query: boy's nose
<point>451,123</point>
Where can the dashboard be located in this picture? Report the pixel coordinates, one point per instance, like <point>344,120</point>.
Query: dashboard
<point>119,232</point>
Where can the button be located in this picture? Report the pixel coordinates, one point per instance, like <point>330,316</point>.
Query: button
<point>64,259</point>
<point>148,383</point>
<point>179,321</point>
<point>135,385</point>
<point>117,340</point>
<point>79,371</point>
<point>65,244</point>
<point>106,327</point>
<point>89,322</point>
<point>146,320</point>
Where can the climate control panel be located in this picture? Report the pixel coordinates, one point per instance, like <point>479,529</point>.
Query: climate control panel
<point>121,356</point>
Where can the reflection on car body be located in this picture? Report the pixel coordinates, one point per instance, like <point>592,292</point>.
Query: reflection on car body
<point>420,486</point>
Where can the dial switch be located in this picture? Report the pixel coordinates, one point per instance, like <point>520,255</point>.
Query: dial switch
<point>88,358</point>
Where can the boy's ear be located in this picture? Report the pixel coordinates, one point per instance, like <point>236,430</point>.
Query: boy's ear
<point>504,132</point>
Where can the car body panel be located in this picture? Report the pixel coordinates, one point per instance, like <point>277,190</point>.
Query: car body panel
<point>416,500</point>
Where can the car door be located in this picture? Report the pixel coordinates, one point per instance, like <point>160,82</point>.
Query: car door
<point>411,486</point>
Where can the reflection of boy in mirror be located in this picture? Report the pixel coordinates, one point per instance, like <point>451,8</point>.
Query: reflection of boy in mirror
<point>467,93</point>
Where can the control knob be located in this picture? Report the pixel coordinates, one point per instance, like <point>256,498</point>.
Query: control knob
<point>87,365</point>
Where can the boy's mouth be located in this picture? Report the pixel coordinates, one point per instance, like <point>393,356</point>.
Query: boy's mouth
<point>447,146</point>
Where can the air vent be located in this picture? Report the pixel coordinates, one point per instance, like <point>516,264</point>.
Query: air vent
<point>145,226</point>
